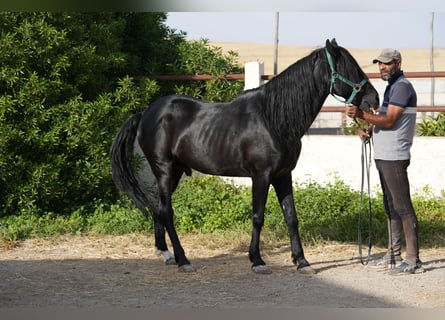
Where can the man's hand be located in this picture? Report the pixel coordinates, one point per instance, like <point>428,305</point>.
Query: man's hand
<point>353,112</point>
<point>365,134</point>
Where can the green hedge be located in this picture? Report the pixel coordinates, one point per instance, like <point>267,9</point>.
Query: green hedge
<point>207,204</point>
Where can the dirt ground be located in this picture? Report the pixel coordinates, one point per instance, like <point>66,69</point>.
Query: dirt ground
<point>123,271</point>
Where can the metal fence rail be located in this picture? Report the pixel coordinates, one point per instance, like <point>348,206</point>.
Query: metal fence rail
<point>241,77</point>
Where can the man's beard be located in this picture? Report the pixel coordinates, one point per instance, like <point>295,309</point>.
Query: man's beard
<point>388,76</point>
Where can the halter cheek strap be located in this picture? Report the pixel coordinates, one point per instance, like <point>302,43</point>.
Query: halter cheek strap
<point>356,87</point>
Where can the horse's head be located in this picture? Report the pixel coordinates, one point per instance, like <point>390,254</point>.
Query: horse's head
<point>348,80</point>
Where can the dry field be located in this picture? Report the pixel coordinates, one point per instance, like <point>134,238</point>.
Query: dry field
<point>413,60</point>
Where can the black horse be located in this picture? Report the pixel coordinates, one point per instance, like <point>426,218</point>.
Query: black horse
<point>256,135</point>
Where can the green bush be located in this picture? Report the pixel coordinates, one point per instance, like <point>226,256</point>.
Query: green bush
<point>198,57</point>
<point>65,89</point>
<point>116,220</point>
<point>59,160</point>
<point>64,92</point>
<point>206,203</point>
<point>431,215</point>
<point>432,126</point>
<point>332,212</point>
<point>29,225</point>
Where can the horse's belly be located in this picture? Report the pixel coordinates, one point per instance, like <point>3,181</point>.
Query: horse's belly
<point>224,150</point>
<point>215,164</point>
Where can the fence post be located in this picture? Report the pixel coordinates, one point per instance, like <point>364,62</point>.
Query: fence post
<point>253,72</point>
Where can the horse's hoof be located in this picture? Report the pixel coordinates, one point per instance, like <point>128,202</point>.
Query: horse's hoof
<point>262,269</point>
<point>186,268</point>
<point>170,261</point>
<point>306,270</point>
<point>167,256</point>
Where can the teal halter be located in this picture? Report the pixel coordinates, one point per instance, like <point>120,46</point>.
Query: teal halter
<point>356,87</point>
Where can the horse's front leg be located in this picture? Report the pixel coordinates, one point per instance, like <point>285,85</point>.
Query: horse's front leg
<point>283,189</point>
<point>260,190</point>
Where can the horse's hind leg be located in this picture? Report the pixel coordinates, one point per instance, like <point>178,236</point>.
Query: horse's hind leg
<point>159,229</point>
<point>160,243</point>
<point>167,183</point>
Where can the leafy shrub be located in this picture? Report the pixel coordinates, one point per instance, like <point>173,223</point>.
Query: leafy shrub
<point>117,220</point>
<point>64,94</point>
<point>208,204</point>
<point>431,215</point>
<point>29,225</point>
<point>66,89</point>
<point>58,160</point>
<point>198,57</point>
<point>332,212</point>
<point>432,125</point>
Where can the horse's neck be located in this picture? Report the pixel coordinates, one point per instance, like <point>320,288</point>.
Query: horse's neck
<point>304,107</point>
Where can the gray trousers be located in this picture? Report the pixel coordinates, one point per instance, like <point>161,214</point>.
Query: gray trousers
<point>399,209</point>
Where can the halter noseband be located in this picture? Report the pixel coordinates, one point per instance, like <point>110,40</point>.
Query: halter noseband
<point>356,87</point>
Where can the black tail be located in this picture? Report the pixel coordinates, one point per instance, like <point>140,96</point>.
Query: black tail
<point>121,156</point>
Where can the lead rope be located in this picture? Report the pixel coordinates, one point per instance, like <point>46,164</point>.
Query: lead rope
<point>366,165</point>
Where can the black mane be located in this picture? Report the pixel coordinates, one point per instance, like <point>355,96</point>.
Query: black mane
<point>294,97</point>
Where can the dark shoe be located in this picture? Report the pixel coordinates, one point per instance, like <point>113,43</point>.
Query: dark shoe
<point>385,261</point>
<point>404,268</point>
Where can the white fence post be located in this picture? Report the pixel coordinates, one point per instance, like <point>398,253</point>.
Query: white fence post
<point>253,72</point>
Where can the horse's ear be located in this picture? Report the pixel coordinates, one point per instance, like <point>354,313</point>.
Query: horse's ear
<point>332,47</point>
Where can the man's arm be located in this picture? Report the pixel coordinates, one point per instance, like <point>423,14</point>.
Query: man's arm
<point>382,120</point>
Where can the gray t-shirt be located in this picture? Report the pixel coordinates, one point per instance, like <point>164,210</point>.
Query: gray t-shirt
<point>395,143</point>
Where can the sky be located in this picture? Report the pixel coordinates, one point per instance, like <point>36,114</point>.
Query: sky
<point>400,24</point>
<point>409,29</point>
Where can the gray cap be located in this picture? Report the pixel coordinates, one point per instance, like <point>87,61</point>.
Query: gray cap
<point>388,55</point>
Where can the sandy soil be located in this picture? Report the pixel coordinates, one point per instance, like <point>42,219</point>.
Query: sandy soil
<point>123,271</point>
<point>413,60</point>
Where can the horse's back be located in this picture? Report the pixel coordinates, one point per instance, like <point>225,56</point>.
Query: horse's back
<point>186,105</point>
<point>176,113</point>
<point>214,138</point>
<point>168,113</point>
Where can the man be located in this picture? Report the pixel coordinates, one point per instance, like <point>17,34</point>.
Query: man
<point>393,131</point>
